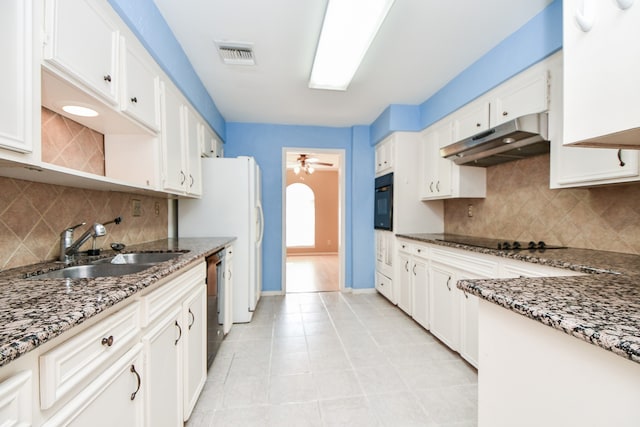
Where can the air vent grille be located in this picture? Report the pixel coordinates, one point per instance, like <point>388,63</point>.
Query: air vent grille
<point>237,54</point>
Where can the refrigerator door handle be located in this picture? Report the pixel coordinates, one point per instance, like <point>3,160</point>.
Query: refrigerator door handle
<point>261,229</point>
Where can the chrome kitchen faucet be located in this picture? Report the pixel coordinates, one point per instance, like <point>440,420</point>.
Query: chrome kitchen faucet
<point>68,248</point>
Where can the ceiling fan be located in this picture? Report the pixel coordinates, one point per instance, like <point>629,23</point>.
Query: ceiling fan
<point>307,164</point>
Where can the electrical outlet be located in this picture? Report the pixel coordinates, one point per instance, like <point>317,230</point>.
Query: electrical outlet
<point>156,208</point>
<point>469,211</point>
<point>136,208</point>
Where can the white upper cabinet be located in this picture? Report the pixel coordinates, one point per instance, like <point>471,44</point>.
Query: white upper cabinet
<point>182,133</point>
<point>83,42</point>
<point>526,93</point>
<point>470,120</point>
<point>440,177</point>
<point>16,85</point>
<point>601,67</point>
<point>385,153</point>
<point>193,148</point>
<point>140,97</point>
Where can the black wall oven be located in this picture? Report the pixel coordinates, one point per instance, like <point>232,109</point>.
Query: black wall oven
<point>383,210</point>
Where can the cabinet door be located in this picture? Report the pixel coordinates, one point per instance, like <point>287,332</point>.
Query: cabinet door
<point>469,327</point>
<point>443,310</point>
<point>114,399</point>
<point>228,291</point>
<point>601,69</point>
<point>16,400</point>
<point>163,371</point>
<point>17,69</point>
<point>195,348</point>
<point>172,137</point>
<point>577,166</point>
<point>193,146</point>
<point>470,120</point>
<point>83,42</point>
<point>140,89</point>
<point>420,292</point>
<point>436,171</point>
<point>404,287</point>
<point>520,97</point>
<point>384,285</point>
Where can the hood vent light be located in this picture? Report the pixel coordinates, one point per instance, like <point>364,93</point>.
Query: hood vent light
<point>236,53</point>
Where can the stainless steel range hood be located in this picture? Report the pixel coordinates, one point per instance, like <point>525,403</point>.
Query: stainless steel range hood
<point>522,137</point>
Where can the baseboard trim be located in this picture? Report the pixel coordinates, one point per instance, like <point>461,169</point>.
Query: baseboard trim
<point>271,293</point>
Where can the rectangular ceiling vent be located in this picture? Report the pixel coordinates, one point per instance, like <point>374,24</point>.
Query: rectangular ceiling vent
<point>236,53</point>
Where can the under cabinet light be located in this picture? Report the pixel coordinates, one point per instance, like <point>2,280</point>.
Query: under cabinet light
<point>77,110</point>
<point>348,29</point>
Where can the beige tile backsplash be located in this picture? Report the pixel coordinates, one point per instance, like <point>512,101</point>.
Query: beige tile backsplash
<point>520,206</point>
<point>32,215</point>
<point>69,144</point>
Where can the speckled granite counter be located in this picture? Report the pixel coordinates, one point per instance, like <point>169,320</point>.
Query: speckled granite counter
<point>33,312</point>
<point>602,307</point>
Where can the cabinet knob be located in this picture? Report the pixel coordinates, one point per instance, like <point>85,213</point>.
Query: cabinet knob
<point>133,370</point>
<point>193,319</point>
<point>107,78</point>
<point>134,100</point>
<point>622,163</point>
<point>179,333</point>
<point>107,341</point>
<point>505,113</point>
<point>478,125</point>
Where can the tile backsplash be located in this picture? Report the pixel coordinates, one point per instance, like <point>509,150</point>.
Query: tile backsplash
<point>70,144</point>
<point>520,206</point>
<point>32,216</point>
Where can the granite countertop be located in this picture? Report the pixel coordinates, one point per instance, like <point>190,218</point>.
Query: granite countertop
<point>34,312</point>
<point>602,307</point>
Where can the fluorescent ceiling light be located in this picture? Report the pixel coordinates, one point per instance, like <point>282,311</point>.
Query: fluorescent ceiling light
<point>77,110</point>
<point>348,29</point>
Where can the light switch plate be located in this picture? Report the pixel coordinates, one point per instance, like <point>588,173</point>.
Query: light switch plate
<point>136,208</point>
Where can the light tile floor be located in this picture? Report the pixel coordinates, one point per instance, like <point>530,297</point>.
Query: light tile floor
<point>333,359</point>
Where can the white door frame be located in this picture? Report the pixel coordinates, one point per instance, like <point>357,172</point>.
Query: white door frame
<point>341,209</point>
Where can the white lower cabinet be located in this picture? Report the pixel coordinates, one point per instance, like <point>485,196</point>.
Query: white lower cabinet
<point>15,400</point>
<point>384,264</point>
<point>420,295</point>
<point>444,305</point>
<point>113,399</point>
<point>413,295</point>
<point>195,347</point>
<point>163,366</point>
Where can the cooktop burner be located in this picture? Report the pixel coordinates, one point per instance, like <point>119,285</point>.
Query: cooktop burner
<point>499,244</point>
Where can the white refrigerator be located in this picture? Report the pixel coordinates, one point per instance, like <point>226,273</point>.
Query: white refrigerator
<point>231,206</point>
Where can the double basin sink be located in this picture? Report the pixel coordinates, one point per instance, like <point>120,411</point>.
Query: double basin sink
<point>118,265</point>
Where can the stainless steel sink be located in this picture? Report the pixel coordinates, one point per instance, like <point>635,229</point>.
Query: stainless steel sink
<point>142,258</point>
<point>93,270</point>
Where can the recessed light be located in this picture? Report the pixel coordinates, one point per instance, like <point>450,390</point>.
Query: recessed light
<point>77,110</point>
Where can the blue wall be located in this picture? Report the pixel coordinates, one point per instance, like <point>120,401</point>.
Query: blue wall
<point>536,40</point>
<point>265,143</point>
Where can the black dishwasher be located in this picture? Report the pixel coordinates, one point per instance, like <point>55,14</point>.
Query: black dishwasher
<point>215,304</point>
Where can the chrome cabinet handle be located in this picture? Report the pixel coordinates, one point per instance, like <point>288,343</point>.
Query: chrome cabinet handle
<point>107,78</point>
<point>134,100</point>
<point>448,280</point>
<point>465,294</point>
<point>180,333</point>
<point>438,186</point>
<point>622,163</point>
<point>133,370</point>
<point>431,186</point>
<point>414,269</point>
<point>406,266</point>
<point>107,341</point>
<point>191,177</point>
<point>184,177</point>
<point>193,319</point>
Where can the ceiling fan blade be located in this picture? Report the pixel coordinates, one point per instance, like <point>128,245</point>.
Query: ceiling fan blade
<point>320,163</point>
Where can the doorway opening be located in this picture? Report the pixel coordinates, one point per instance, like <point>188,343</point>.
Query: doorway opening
<point>313,220</point>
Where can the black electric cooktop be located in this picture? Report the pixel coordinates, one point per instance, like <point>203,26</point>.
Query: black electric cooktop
<point>499,244</point>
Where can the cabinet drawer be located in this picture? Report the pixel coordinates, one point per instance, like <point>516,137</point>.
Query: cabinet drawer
<point>471,262</point>
<point>384,285</point>
<point>169,294</point>
<point>83,356</point>
<point>513,268</point>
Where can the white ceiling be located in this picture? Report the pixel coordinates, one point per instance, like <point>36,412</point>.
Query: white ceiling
<point>420,47</point>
